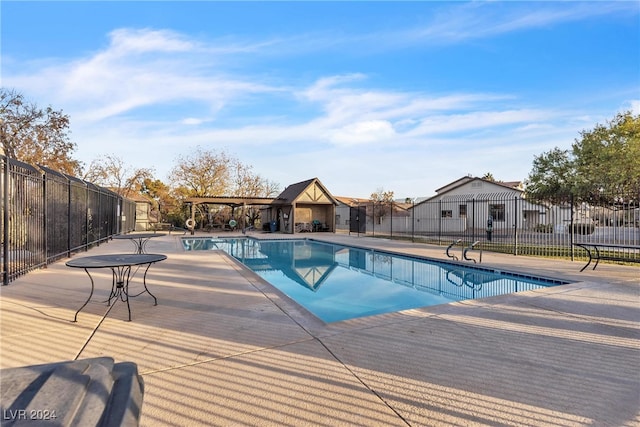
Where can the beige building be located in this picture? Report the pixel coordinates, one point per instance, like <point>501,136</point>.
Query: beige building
<point>303,207</point>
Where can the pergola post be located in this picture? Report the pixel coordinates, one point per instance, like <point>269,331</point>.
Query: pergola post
<point>193,218</point>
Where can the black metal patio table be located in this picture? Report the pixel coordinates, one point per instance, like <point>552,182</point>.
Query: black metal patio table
<point>120,265</point>
<point>139,240</point>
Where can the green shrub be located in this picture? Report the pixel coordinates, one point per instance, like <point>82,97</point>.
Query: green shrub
<point>583,228</point>
<point>543,228</point>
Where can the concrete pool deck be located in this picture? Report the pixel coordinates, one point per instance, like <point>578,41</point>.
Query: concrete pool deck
<point>223,348</point>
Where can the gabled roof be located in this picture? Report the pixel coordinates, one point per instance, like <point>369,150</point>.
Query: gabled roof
<point>455,184</point>
<point>290,193</point>
<point>352,201</point>
<point>511,185</point>
<point>442,191</point>
<point>293,192</point>
<point>139,198</point>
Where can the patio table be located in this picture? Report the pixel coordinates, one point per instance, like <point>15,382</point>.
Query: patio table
<point>139,240</point>
<point>120,265</point>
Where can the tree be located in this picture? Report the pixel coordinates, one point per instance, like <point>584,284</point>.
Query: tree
<point>552,175</point>
<point>203,173</point>
<point>381,201</point>
<point>607,158</point>
<point>36,136</point>
<point>489,177</point>
<point>602,163</point>
<point>248,184</point>
<point>166,205</point>
<point>111,171</point>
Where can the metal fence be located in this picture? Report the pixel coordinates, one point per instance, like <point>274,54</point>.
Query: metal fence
<point>47,215</point>
<point>507,223</point>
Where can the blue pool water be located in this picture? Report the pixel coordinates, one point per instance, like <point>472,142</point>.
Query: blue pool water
<point>336,282</point>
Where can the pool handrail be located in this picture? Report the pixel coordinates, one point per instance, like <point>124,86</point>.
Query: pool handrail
<point>470,248</point>
<point>455,258</point>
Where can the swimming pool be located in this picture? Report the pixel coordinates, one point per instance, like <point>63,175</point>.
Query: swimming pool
<point>337,282</point>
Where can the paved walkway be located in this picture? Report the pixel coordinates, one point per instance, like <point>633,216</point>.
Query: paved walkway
<point>223,348</point>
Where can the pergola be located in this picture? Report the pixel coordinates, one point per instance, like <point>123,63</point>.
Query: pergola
<point>233,202</point>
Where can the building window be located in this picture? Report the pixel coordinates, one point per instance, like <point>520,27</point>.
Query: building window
<point>462,211</point>
<point>497,212</point>
<point>447,214</point>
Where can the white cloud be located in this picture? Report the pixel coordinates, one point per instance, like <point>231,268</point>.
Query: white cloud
<point>139,68</point>
<point>350,111</point>
<point>126,41</point>
<point>477,20</point>
<point>191,121</point>
<point>364,132</point>
<point>474,120</point>
<point>324,88</point>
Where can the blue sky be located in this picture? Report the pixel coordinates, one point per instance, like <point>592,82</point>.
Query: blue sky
<point>400,96</point>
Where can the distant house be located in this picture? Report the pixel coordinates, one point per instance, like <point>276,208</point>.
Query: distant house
<point>384,219</point>
<point>461,205</point>
<point>146,217</point>
<point>302,207</point>
<point>469,203</point>
<point>343,211</point>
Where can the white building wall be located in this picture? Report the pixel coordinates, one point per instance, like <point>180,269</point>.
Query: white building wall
<point>460,209</point>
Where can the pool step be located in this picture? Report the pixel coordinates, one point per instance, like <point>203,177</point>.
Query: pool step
<point>88,392</point>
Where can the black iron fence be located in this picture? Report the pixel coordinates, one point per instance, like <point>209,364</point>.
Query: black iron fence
<point>506,222</point>
<point>47,215</point>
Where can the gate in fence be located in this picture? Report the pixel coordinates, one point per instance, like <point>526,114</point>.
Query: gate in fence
<point>358,219</point>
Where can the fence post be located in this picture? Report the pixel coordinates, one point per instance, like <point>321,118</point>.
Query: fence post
<point>515,226</point>
<point>86,216</point>
<point>120,211</point>
<point>45,215</point>
<point>473,220</point>
<point>391,222</point>
<point>571,226</point>
<point>413,219</point>
<point>5,219</point>
<point>439,215</point>
<point>373,220</point>
<point>69,214</point>
<point>100,225</point>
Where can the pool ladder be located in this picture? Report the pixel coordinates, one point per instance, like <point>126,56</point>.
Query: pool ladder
<point>450,255</point>
<point>465,251</point>
<point>470,248</point>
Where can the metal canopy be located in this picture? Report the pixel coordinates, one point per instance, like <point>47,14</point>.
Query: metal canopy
<point>230,201</point>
